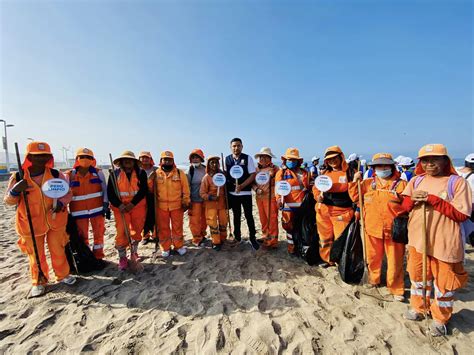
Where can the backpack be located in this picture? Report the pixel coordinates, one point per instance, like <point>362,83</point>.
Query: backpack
<point>451,182</point>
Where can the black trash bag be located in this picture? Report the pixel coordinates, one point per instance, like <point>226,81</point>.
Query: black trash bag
<point>400,230</point>
<point>305,234</point>
<point>150,215</point>
<point>78,251</point>
<point>351,265</point>
<point>339,244</point>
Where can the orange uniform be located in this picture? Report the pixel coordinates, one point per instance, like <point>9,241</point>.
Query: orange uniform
<point>449,204</point>
<point>299,181</point>
<point>133,189</point>
<point>382,203</point>
<point>46,226</point>
<point>216,214</point>
<point>335,212</point>
<point>197,210</point>
<point>87,205</point>
<point>172,189</point>
<point>267,207</point>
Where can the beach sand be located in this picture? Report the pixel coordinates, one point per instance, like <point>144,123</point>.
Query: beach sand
<point>210,302</point>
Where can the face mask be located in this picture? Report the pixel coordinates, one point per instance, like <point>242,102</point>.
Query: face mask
<point>196,165</point>
<point>85,163</point>
<point>291,164</point>
<point>383,173</point>
<point>167,167</point>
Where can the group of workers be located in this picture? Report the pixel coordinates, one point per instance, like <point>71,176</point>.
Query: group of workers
<point>149,201</point>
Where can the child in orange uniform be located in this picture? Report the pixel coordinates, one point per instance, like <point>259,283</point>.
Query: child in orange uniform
<point>448,202</point>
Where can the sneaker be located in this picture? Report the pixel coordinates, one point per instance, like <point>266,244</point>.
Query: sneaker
<point>37,291</point>
<point>69,280</point>
<point>438,329</point>
<point>399,298</point>
<point>412,315</point>
<point>165,253</point>
<point>371,286</point>
<point>182,251</point>
<point>216,247</point>
<point>254,244</point>
<point>146,241</point>
<point>123,263</point>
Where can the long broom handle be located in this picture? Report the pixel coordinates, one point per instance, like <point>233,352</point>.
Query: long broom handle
<point>41,276</point>
<point>117,192</point>
<point>225,196</point>
<point>362,223</point>
<point>425,259</point>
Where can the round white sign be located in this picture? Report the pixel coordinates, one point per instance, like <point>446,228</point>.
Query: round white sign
<point>55,188</point>
<point>219,179</point>
<point>262,178</point>
<point>236,171</point>
<point>323,183</point>
<point>283,188</point>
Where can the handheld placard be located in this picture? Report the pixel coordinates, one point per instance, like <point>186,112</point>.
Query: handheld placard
<point>283,188</point>
<point>323,183</point>
<point>262,178</point>
<point>236,172</point>
<point>218,180</point>
<point>55,189</point>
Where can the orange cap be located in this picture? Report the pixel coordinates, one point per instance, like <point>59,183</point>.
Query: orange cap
<point>292,153</point>
<point>197,152</point>
<point>84,151</point>
<point>166,154</point>
<point>146,154</point>
<point>36,148</point>
<point>433,150</point>
<point>334,151</point>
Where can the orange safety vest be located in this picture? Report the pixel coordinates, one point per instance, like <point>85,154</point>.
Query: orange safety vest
<point>88,197</point>
<point>299,184</point>
<point>128,188</point>
<point>40,207</point>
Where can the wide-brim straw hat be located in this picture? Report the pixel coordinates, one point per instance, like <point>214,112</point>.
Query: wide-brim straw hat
<point>292,153</point>
<point>382,159</point>
<point>128,154</point>
<point>265,151</point>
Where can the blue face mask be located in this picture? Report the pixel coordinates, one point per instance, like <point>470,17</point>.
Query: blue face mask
<point>383,173</point>
<point>291,164</point>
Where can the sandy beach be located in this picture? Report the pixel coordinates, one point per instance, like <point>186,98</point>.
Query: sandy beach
<point>233,301</point>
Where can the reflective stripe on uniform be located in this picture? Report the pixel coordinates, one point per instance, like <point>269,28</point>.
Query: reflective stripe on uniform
<point>445,304</point>
<point>296,188</point>
<point>87,197</point>
<point>292,204</point>
<point>98,246</point>
<point>87,212</point>
<point>125,193</point>
<point>416,292</point>
<point>419,284</point>
<point>438,293</point>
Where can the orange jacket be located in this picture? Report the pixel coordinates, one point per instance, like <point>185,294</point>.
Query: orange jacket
<point>172,189</point>
<point>88,193</point>
<point>272,170</point>
<point>338,194</point>
<point>40,206</point>
<point>208,188</point>
<point>128,188</point>
<point>382,203</point>
<point>299,182</point>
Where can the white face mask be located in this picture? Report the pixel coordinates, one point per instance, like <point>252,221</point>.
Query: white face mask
<point>196,165</point>
<point>383,173</point>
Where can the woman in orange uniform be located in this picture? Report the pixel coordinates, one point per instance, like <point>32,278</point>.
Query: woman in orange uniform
<point>298,178</point>
<point>334,208</point>
<point>214,202</point>
<point>448,202</point>
<point>133,188</point>
<point>49,223</point>
<point>382,204</point>
<point>267,206</point>
<point>89,201</point>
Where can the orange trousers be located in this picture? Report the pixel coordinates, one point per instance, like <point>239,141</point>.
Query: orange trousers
<point>269,227</point>
<point>446,279</point>
<point>217,222</point>
<point>98,230</point>
<point>197,221</point>
<point>287,224</point>
<point>331,222</point>
<point>170,228</point>
<point>135,220</point>
<point>57,240</point>
<point>395,253</point>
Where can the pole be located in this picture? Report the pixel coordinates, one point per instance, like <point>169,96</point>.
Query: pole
<point>226,199</point>
<point>425,260</point>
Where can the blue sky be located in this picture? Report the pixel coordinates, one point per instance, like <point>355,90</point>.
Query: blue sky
<point>151,75</point>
